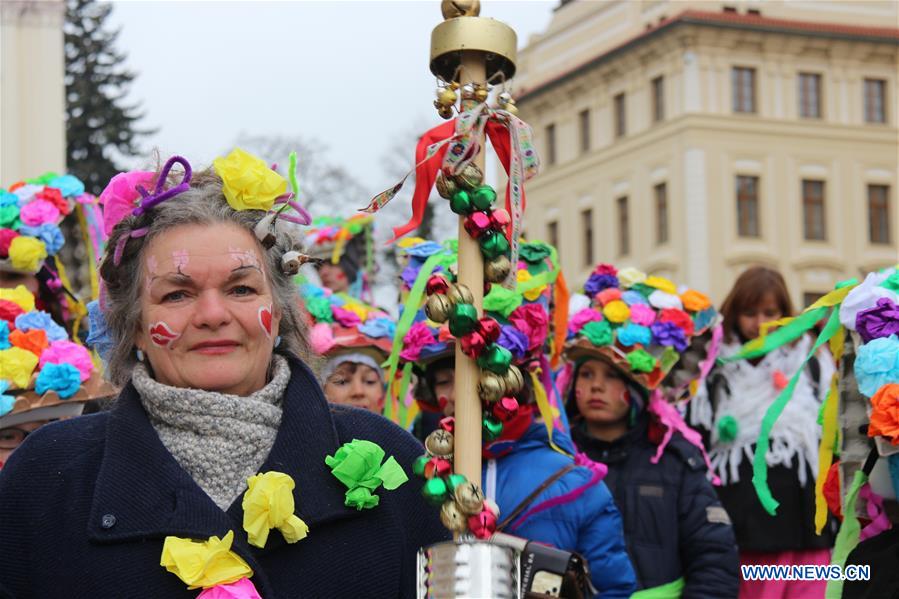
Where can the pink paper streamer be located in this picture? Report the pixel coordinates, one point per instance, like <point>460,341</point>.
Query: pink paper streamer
<point>671,418</point>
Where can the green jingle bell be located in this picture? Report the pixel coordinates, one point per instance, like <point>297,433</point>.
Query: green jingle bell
<point>460,203</point>
<point>435,491</point>
<point>483,197</point>
<point>418,466</point>
<point>496,359</point>
<point>463,320</point>
<point>492,430</point>
<point>493,245</point>
<point>454,480</point>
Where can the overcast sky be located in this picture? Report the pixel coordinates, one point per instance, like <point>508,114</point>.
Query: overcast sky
<point>353,75</point>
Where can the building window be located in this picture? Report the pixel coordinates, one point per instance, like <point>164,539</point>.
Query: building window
<point>587,241</point>
<point>743,80</point>
<point>551,144</point>
<point>658,99</point>
<point>584,126</point>
<point>810,297</point>
<point>814,224</point>
<point>729,9</point>
<point>620,116</point>
<point>661,193</point>
<point>879,213</point>
<point>754,11</point>
<point>810,95</point>
<point>552,233</point>
<point>748,206</point>
<point>624,238</point>
<point>875,101</point>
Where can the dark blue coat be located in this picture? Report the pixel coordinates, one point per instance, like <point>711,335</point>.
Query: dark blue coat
<point>674,524</point>
<point>86,504</point>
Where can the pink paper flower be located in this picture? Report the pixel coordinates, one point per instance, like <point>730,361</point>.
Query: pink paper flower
<point>532,320</point>
<point>120,196</point>
<point>344,317</point>
<point>38,212</point>
<point>642,314</point>
<point>67,352</point>
<point>321,338</point>
<point>586,315</point>
<point>605,269</point>
<point>419,335</point>
<point>242,589</point>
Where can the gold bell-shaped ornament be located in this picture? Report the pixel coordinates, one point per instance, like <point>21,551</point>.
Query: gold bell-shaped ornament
<point>438,307</point>
<point>491,386</point>
<point>471,177</point>
<point>446,186</point>
<point>498,269</point>
<point>470,498</point>
<point>440,443</point>
<point>481,93</point>
<point>514,381</point>
<point>452,517</point>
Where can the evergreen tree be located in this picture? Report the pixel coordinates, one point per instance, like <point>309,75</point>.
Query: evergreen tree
<point>100,125</point>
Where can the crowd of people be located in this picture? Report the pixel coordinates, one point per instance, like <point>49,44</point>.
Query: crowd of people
<point>250,398</point>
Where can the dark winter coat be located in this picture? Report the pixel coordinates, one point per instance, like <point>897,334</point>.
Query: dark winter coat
<point>86,504</point>
<point>674,525</point>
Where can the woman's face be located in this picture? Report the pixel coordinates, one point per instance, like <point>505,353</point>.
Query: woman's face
<point>12,437</point>
<point>356,385</point>
<point>444,390</point>
<point>752,318</point>
<point>208,319</point>
<point>333,277</point>
<point>601,393</point>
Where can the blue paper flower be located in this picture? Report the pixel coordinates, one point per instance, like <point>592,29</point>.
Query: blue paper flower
<point>309,290</point>
<point>6,401</point>
<point>631,297</point>
<point>513,340</point>
<point>62,378</point>
<point>8,199</point>
<point>38,319</point>
<point>378,328</point>
<point>98,336</point>
<point>632,334</point>
<point>48,233</point>
<point>669,334</point>
<point>425,249</point>
<point>876,364</point>
<point>68,185</point>
<point>598,282</point>
<point>4,335</point>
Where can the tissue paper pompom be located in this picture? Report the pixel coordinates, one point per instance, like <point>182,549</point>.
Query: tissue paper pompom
<point>582,317</point>
<point>377,328</point>
<point>54,196</point>
<point>633,334</point>
<point>4,334</point>
<point>598,282</point>
<point>27,253</point>
<point>67,352</point>
<point>678,317</point>
<point>643,315</point>
<point>20,296</point>
<point>533,321</point>
<point>321,338</point>
<point>513,340</point>
<point>598,333</point>
<point>38,319</point>
<point>661,300</point>
<point>662,284</point>
<point>16,365</point>
<point>38,212</point>
<point>616,311</point>
<point>48,233</point>
<point>419,336</point>
<point>863,297</point>
<point>247,181</point>
<point>630,276</point>
<point>6,237</point>
<point>885,413</point>
<point>632,297</point>
<point>62,378</point>
<point>694,301</point>
<point>608,295</point>
<point>641,361</point>
<point>34,341</point>
<point>876,364</point>
<point>68,185</point>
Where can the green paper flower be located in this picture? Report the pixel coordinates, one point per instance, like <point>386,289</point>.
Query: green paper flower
<point>645,290</point>
<point>892,282</point>
<point>9,217</point>
<point>502,300</point>
<point>357,465</point>
<point>320,308</point>
<point>535,252</point>
<point>728,428</point>
<point>641,360</point>
<point>599,333</point>
<point>669,358</point>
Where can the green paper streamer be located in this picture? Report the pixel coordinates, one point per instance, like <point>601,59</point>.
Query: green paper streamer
<point>788,333</point>
<point>404,387</point>
<point>759,462</point>
<point>847,537</point>
<point>670,590</point>
<point>358,466</point>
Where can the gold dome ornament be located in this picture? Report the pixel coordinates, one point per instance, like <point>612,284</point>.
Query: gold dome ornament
<point>514,381</point>
<point>491,386</point>
<point>446,96</point>
<point>446,186</point>
<point>452,517</point>
<point>460,294</point>
<point>440,443</point>
<point>471,177</point>
<point>470,498</point>
<point>498,269</point>
<point>438,307</point>
<point>480,94</point>
<point>452,9</point>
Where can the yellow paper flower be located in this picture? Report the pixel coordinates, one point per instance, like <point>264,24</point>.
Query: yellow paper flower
<point>267,504</point>
<point>661,284</point>
<point>16,365</point>
<point>357,309</point>
<point>19,296</point>
<point>630,276</point>
<point>524,276</point>
<point>247,182</point>
<point>27,253</point>
<point>695,301</point>
<point>204,564</point>
<point>407,242</point>
<point>616,311</point>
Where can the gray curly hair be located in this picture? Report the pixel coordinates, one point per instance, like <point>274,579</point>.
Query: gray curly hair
<point>203,203</point>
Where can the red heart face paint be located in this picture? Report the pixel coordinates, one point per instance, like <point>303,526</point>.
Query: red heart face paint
<point>162,334</point>
<point>265,320</point>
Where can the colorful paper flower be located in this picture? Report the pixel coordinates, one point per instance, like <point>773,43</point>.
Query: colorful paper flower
<point>68,185</point>
<point>38,319</point>
<point>38,212</point>
<point>607,295</point>
<point>27,253</point>
<point>598,282</point>
<point>880,321</point>
<point>268,503</point>
<point>641,361</point>
<point>662,299</point>
<point>876,364</point>
<point>616,311</point>
<point>630,276</point>
<point>502,301</point>
<point>9,216</point>
<point>54,196</point>
<point>247,181</point>
<point>16,365</point>
<point>378,328</point>
<point>695,301</point>
<point>4,335</point>
<point>204,564</point>
<point>321,338</point>
<point>344,317</point>
<point>863,297</point>
<point>6,237</point>
<point>533,321</point>
<point>582,317</point>
<point>885,413</point>
<point>678,317</point>
<point>605,269</point>
<point>49,233</point>
<point>418,336</point>
<point>358,466</point>
<point>62,378</point>
<point>120,196</point>
<point>6,401</point>
<point>642,314</point>
<point>20,296</point>
<point>631,298</point>
<point>532,295</point>
<point>534,253</point>
<point>242,589</point>
<point>513,340</point>
<point>634,334</point>
<point>34,341</point>
<point>319,308</point>
<point>68,352</point>
<point>598,333</point>
<point>669,334</point>
<point>9,311</point>
<point>662,284</point>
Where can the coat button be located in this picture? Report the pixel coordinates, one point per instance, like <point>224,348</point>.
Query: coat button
<point>108,521</point>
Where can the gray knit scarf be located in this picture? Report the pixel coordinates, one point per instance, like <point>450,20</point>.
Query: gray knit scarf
<point>219,439</point>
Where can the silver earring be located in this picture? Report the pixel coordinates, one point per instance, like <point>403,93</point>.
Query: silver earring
<point>278,341</point>
<point>140,355</point>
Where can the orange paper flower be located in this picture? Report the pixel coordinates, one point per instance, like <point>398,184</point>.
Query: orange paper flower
<point>885,415</point>
<point>695,301</point>
<point>34,340</point>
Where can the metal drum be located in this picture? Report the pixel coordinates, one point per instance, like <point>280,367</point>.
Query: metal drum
<point>468,568</point>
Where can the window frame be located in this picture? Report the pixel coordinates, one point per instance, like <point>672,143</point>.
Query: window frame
<point>620,112</point>
<point>658,99</point>
<point>738,101</point>
<point>623,217</point>
<point>662,213</point>
<point>881,99</point>
<point>551,155</point>
<point>884,207</point>
<point>813,204</point>
<point>805,102</point>
<point>748,205</point>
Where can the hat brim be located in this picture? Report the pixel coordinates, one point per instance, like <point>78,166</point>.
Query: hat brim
<point>581,348</point>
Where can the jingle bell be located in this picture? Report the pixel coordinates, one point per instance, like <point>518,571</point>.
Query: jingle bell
<point>438,468</point>
<point>460,294</point>
<point>452,517</point>
<point>491,386</point>
<point>454,480</point>
<point>500,219</point>
<point>469,497</point>
<point>435,491</point>
<point>460,203</point>
<point>446,186</point>
<point>493,244</point>
<point>448,424</point>
<point>483,197</point>
<point>511,108</point>
<point>437,284</point>
<point>440,443</point>
<point>470,177</point>
<point>492,429</point>
<point>489,329</point>
<point>483,525</point>
<point>495,359</point>
<point>505,409</point>
<point>445,112</point>
<point>473,344</point>
<point>498,269</point>
<point>446,96</point>
<point>463,319</point>
<point>477,224</point>
<point>503,98</point>
<point>418,466</point>
<point>514,381</point>
<point>438,307</point>
<point>480,94</point>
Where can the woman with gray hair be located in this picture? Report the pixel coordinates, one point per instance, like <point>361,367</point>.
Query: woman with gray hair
<point>220,470</point>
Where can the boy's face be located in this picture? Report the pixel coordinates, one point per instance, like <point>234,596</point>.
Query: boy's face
<point>601,393</point>
<point>444,387</point>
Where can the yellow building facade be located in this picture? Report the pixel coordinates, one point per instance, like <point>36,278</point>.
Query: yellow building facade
<point>693,139</point>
